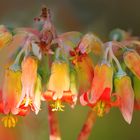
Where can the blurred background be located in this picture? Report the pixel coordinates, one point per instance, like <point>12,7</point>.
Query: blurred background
<point>98,16</point>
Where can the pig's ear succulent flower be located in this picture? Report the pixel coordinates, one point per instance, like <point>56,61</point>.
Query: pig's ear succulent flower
<point>85,72</point>
<point>61,86</point>
<point>31,85</point>
<point>99,96</point>
<point>10,96</point>
<point>124,90</point>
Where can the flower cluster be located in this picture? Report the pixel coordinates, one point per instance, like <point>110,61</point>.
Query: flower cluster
<point>65,68</point>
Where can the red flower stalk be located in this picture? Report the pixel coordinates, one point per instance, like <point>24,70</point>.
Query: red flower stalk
<point>53,125</point>
<point>87,127</point>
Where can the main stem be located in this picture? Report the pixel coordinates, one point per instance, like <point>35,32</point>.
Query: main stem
<point>53,125</point>
<point>87,127</point>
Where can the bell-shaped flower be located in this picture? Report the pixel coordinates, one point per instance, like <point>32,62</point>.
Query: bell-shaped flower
<point>123,88</point>
<point>61,86</point>
<point>99,96</point>
<point>132,61</point>
<point>5,36</point>
<point>31,85</point>
<point>85,72</point>
<point>10,96</point>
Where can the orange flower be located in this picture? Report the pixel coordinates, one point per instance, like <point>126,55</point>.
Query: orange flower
<point>31,85</point>
<point>10,96</point>
<point>61,86</point>
<point>99,96</point>
<point>124,90</point>
<point>132,61</point>
<point>85,73</point>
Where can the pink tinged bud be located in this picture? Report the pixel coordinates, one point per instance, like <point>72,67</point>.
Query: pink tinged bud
<point>28,80</point>
<point>123,88</point>
<point>85,73</point>
<point>11,91</point>
<point>90,43</point>
<point>132,61</point>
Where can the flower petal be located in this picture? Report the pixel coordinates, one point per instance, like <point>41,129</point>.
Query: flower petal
<point>124,89</point>
<point>59,80</point>
<point>102,80</point>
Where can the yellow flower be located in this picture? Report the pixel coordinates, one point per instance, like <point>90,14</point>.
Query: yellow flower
<point>11,91</point>
<point>61,86</point>
<point>59,80</point>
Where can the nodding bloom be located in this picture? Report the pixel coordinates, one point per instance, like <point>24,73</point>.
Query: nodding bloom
<point>10,96</point>
<point>99,96</point>
<point>85,70</point>
<point>132,61</point>
<point>123,88</point>
<point>136,85</point>
<point>85,73</point>
<point>5,36</point>
<point>31,85</point>
<point>61,86</point>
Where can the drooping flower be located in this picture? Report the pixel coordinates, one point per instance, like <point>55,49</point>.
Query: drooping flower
<point>84,68</point>
<point>5,36</point>
<point>99,96</point>
<point>61,86</point>
<point>31,85</point>
<point>85,73</point>
<point>10,96</point>
<point>124,90</point>
<point>132,61</point>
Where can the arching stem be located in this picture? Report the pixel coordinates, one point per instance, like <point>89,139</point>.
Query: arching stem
<point>87,127</point>
<point>53,125</point>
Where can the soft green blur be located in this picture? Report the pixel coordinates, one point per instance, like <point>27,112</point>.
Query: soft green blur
<point>99,16</point>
